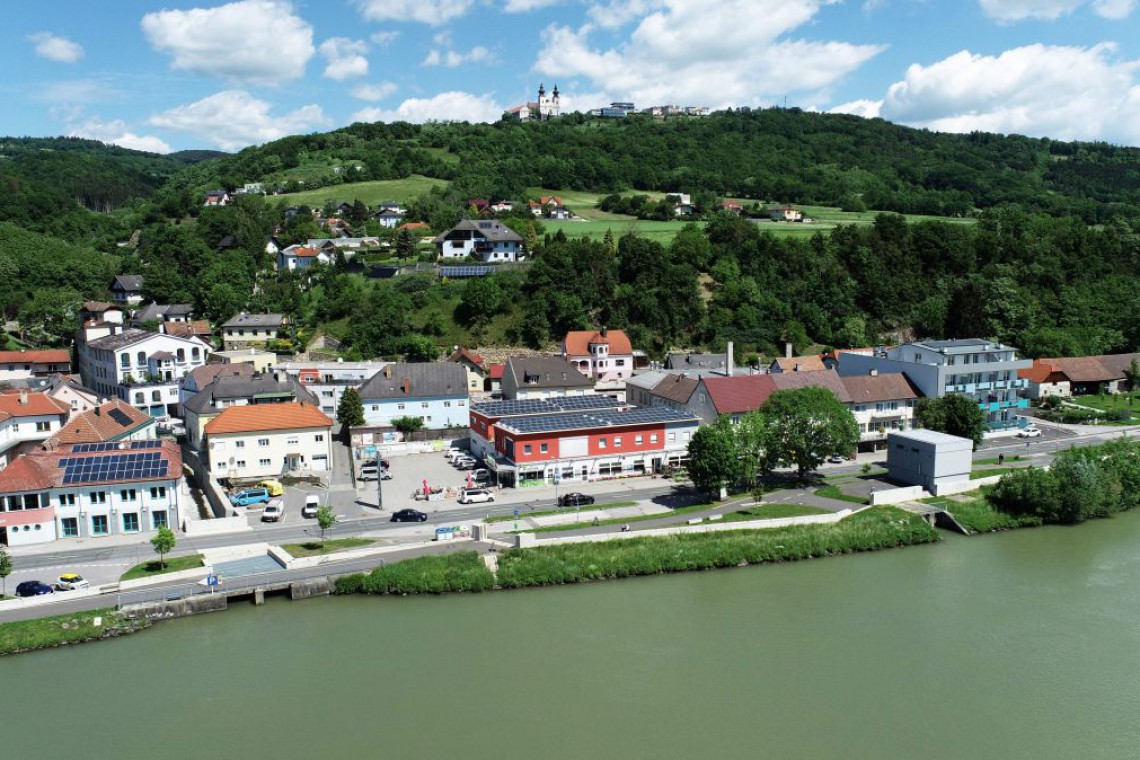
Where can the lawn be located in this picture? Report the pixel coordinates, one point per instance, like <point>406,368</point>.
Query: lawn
<point>988,473</point>
<point>330,546</point>
<point>679,512</point>
<point>172,565</point>
<point>662,232</point>
<point>41,633</point>
<point>1110,402</point>
<point>372,193</point>
<point>774,511</point>
<point>978,516</point>
<point>831,491</point>
<point>585,203</point>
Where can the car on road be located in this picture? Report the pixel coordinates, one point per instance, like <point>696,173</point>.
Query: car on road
<point>836,459</point>
<point>574,499</point>
<point>409,515</point>
<point>250,496</point>
<point>33,588</point>
<point>1029,431</point>
<point>475,496</point>
<point>312,504</point>
<point>274,511</point>
<point>273,487</point>
<point>370,472</point>
<point>71,582</point>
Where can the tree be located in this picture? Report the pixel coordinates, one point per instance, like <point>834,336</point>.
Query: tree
<point>326,518</point>
<point>405,244</point>
<point>163,543</point>
<point>350,412</point>
<point>408,424</point>
<point>5,569</point>
<point>805,426</point>
<point>713,457</point>
<point>953,414</point>
<point>1132,375</point>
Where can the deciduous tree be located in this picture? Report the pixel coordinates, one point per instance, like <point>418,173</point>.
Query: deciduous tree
<point>163,543</point>
<point>805,426</point>
<point>953,414</point>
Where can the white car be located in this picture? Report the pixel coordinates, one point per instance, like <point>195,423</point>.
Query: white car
<point>452,453</point>
<point>312,504</point>
<point>475,496</point>
<point>1029,432</point>
<point>274,511</point>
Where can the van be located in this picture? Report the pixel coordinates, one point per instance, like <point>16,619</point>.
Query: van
<point>481,476</point>
<point>273,487</point>
<point>312,504</point>
<point>475,496</point>
<point>250,496</point>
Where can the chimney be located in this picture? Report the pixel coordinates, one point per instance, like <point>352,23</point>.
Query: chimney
<point>798,368</point>
<point>874,373</point>
<point>23,398</point>
<point>98,411</point>
<point>729,360</point>
<point>388,372</point>
<point>788,349</point>
<point>407,386</point>
<point>605,331</point>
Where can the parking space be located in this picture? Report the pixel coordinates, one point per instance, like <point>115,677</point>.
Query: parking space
<point>408,475</point>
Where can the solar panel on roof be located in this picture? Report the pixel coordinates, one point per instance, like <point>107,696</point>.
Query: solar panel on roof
<point>467,271</point>
<point>119,416</point>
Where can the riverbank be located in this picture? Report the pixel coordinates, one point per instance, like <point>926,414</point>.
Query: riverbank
<point>62,630</point>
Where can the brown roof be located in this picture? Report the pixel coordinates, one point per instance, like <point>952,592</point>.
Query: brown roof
<point>678,388</point>
<point>30,405</point>
<point>1042,371</point>
<point>470,356</point>
<point>1117,363</point>
<point>893,386</point>
<point>733,395</point>
<point>204,375</point>
<point>98,424</point>
<point>577,342</point>
<point>1085,369</point>
<point>253,418</point>
<point>188,329</point>
<point>811,363</point>
<point>40,470</point>
<point>413,226</point>
<point>827,378</point>
<point>46,356</point>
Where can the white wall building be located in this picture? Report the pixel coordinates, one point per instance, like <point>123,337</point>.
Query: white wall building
<point>267,440</point>
<point>329,380</point>
<point>21,365</point>
<point>27,418</point>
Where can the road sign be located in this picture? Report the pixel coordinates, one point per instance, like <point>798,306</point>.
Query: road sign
<point>211,580</point>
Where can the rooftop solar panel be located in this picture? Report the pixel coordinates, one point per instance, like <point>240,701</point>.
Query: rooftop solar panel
<point>119,416</point>
<point>598,419</point>
<point>546,406</point>
<point>466,271</point>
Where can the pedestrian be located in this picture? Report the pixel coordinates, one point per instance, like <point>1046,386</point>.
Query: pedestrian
<point>1001,458</point>
<point>625,528</point>
<point>596,523</point>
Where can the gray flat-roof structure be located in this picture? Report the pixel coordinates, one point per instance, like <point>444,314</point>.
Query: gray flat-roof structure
<point>928,458</point>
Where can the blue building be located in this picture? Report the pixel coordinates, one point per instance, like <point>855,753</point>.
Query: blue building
<point>435,392</point>
<point>984,370</point>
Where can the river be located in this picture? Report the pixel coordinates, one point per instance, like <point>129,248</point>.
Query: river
<point>1024,644</point>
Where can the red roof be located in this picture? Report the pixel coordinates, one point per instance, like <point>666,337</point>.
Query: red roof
<point>46,356</point>
<point>303,253</point>
<point>1038,373</point>
<point>98,424</point>
<point>40,470</point>
<point>413,226</point>
<point>496,371</point>
<point>470,356</point>
<point>30,405</point>
<point>263,417</point>
<point>734,395</point>
<point>577,342</point>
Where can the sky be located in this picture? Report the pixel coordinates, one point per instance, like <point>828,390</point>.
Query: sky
<point>191,74</point>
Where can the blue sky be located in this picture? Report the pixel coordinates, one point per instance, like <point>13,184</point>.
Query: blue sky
<point>196,74</point>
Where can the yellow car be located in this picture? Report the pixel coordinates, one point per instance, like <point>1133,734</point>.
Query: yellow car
<point>71,582</point>
<point>274,488</point>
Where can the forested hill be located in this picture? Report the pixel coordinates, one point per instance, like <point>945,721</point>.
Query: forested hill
<point>768,155</point>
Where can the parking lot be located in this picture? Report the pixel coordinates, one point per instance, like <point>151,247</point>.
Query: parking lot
<point>408,475</point>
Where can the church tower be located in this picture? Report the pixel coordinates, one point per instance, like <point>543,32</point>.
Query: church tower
<point>548,107</point>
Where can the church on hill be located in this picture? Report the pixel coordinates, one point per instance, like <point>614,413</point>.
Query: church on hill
<point>545,108</point>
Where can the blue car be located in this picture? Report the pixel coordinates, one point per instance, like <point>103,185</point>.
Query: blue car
<point>250,496</point>
<point>33,588</point>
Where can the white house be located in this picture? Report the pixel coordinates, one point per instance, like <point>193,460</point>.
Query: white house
<point>228,390</point>
<point>90,491</point>
<point>601,354</point>
<point>127,289</point>
<point>882,404</point>
<point>543,377</point>
<point>27,418</point>
<point>389,218</point>
<point>435,392</point>
<point>252,330</point>
<point>264,440</point>
<point>20,365</point>
<point>482,239</point>
<point>328,381</point>
<point>300,257</point>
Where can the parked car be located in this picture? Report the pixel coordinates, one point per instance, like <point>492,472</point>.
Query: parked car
<point>409,515</point>
<point>453,452</point>
<point>71,582</point>
<point>574,499</point>
<point>376,469</point>
<point>1029,431</point>
<point>475,496</point>
<point>467,464</point>
<point>274,511</point>
<point>273,487</point>
<point>836,459</point>
<point>250,496</point>
<point>482,476</point>
<point>312,504</point>
<point>33,588</point>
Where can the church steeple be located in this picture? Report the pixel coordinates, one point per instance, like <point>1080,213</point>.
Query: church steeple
<point>541,90</point>
<point>555,93</point>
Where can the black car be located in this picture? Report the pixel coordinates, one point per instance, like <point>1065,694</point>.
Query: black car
<point>409,515</point>
<point>33,588</point>
<point>575,500</point>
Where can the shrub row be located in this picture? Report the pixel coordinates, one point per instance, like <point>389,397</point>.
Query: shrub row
<point>878,528</point>
<point>979,516</point>
<point>438,574</point>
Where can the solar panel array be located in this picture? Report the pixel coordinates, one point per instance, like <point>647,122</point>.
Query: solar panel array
<point>546,406</point>
<point>636,416</point>
<point>89,448</point>
<point>453,272</point>
<point>119,416</point>
<point>97,469</point>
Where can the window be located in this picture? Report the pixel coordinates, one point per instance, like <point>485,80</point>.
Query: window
<point>99,525</point>
<point>67,500</point>
<point>194,354</point>
<point>158,519</point>
<point>327,394</point>
<point>69,527</point>
<point>263,442</point>
<point>617,441</point>
<point>239,463</point>
<point>376,408</point>
<point>239,444</point>
<point>637,439</point>
<point>158,492</point>
<point>98,497</point>
<point>543,448</point>
<point>526,448</point>
<point>125,361</point>
<point>601,443</point>
<point>128,494</point>
<point>43,427</point>
<point>423,405</point>
<point>141,358</point>
<point>292,440</point>
<point>262,462</point>
<point>463,403</point>
<point>131,522</point>
<point>140,398</point>
<point>156,396</point>
<point>447,404</point>
<point>399,408</point>
<point>672,437</point>
<point>319,437</point>
<point>653,437</point>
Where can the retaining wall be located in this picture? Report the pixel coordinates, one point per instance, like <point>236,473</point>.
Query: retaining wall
<point>194,605</point>
<point>897,495</point>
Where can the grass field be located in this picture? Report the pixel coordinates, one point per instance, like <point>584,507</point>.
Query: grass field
<point>662,232</point>
<point>329,546</point>
<point>402,190</point>
<point>171,565</point>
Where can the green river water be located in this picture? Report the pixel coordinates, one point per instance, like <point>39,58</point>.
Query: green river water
<point>1020,645</point>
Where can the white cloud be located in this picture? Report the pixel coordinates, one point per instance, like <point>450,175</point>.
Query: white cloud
<point>452,59</point>
<point>433,12</point>
<point>691,52</point>
<point>446,106</point>
<point>345,58</point>
<point>384,38</point>
<point>1050,10</point>
<point>618,13</point>
<point>256,41</point>
<point>116,133</point>
<point>1062,92</point>
<point>234,119</point>
<point>525,6</point>
<point>56,48</point>
<point>868,109</point>
<point>377,91</point>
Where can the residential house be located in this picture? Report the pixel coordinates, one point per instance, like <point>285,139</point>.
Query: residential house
<point>732,207</point>
<point>27,420</point>
<point>1121,365</point>
<point>882,404</point>
<point>217,198</point>
<point>474,365</point>
<point>661,388</point>
<point>194,328</point>
<point>494,382</point>
<point>785,213</point>
<point>22,364</point>
<point>161,313</point>
<point>297,257</point>
<point>600,354</point>
<point>226,391</point>
<point>114,420</point>
<point>145,369</point>
<point>90,491</point>
<point>252,330</point>
<point>261,361</point>
<point>389,218</point>
<point>436,392</point>
<point>809,363</point>
<point>684,209</point>
<point>195,381</point>
<point>349,245</point>
<point>482,239</point>
<point>63,388</point>
<point>126,289</point>
<point>502,206</point>
<point>328,381</point>
<point>391,206</point>
<point>543,205</point>
<point>1073,376</point>
<point>703,363</point>
<point>560,213</point>
<point>102,311</point>
<point>245,443</point>
<point>543,377</point>
<point>983,370</point>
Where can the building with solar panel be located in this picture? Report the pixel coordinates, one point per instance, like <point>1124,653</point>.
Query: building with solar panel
<point>483,239</point>
<point>578,439</point>
<point>90,490</point>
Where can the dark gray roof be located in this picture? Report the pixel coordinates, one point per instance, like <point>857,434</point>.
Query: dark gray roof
<point>232,388</point>
<point>158,311</point>
<point>127,282</point>
<point>255,320</point>
<point>430,380</point>
<point>545,372</point>
<point>696,361</point>
<point>493,231</point>
<point>127,337</point>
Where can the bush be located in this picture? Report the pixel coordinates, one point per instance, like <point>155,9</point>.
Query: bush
<point>461,571</point>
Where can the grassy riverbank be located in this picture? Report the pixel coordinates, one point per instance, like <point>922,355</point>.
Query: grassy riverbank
<point>171,565</point>
<point>437,574</point>
<point>44,633</point>
<point>979,516</point>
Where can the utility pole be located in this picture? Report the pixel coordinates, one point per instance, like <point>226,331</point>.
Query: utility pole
<point>379,485</point>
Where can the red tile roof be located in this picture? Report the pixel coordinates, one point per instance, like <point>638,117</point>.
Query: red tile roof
<point>30,405</point>
<point>46,356</point>
<point>1039,373</point>
<point>188,329</point>
<point>206,374</point>
<point>265,417</point>
<point>810,363</point>
<point>496,371</point>
<point>734,395</point>
<point>40,470</point>
<point>829,379</point>
<point>577,342</point>
<point>98,424</point>
<point>470,356</point>
<point>1085,369</point>
<point>870,389</point>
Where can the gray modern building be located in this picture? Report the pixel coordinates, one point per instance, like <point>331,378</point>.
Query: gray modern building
<point>928,458</point>
<point>984,370</point>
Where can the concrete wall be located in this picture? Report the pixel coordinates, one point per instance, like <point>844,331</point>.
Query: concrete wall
<point>897,495</point>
